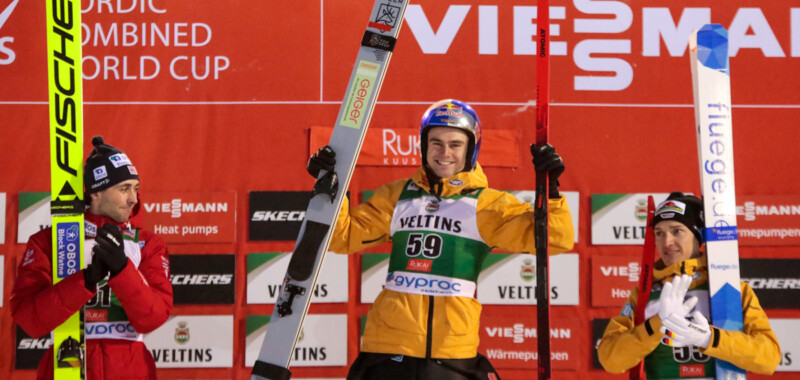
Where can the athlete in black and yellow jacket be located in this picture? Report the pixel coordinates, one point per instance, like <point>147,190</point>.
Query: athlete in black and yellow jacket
<point>442,223</point>
<point>676,340</point>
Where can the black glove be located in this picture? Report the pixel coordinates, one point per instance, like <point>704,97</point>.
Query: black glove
<point>110,249</point>
<point>94,273</point>
<point>324,159</point>
<point>546,159</point>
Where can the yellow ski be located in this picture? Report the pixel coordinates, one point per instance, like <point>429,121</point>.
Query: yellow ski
<point>65,98</point>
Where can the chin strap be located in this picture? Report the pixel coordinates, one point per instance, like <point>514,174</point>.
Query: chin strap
<point>434,182</point>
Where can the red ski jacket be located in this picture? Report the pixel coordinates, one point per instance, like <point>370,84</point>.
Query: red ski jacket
<point>135,302</point>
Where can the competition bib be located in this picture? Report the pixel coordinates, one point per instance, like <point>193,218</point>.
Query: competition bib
<point>667,362</point>
<point>436,246</point>
<point>105,317</point>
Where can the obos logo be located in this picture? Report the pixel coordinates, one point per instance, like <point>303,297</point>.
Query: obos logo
<point>100,173</point>
<point>7,56</point>
<point>119,159</point>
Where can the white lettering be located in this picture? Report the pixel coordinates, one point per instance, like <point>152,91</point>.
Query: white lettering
<point>623,16</point>
<point>584,60</point>
<point>435,42</point>
<point>657,24</point>
<point>762,36</point>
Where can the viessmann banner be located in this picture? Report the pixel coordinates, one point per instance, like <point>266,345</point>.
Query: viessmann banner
<point>613,277</point>
<point>768,219</point>
<point>207,217</point>
<point>510,342</point>
<point>605,50</point>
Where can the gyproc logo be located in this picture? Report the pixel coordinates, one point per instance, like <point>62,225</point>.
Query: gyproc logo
<point>7,55</point>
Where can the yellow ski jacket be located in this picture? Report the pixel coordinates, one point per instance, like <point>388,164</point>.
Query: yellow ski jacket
<point>399,323</point>
<point>754,349</point>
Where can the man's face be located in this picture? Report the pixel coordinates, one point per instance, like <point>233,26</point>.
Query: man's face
<point>447,151</point>
<point>117,201</point>
<point>675,242</point>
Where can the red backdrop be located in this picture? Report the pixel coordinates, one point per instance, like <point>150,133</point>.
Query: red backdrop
<point>282,68</point>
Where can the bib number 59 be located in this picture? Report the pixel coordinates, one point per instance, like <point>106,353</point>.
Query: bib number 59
<point>430,246</point>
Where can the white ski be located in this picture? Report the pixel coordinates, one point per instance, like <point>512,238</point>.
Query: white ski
<point>312,243</point>
<point>712,105</point>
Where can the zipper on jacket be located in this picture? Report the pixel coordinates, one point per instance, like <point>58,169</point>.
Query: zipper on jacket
<point>429,333</point>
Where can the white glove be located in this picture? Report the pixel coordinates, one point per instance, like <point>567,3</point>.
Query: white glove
<point>681,332</point>
<point>672,298</point>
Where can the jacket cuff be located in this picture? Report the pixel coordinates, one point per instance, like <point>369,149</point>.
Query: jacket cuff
<point>650,330</point>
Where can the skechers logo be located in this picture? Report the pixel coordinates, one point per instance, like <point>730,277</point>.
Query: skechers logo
<point>278,216</point>
<point>35,344</point>
<point>201,279</point>
<point>773,283</point>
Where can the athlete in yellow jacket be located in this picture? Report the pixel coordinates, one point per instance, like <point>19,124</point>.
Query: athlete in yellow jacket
<point>442,223</point>
<point>680,281</point>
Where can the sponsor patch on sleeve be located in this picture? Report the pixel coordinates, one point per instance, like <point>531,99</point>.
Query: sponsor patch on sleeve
<point>627,310</point>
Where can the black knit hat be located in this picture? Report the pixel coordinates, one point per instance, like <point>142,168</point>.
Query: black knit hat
<point>106,166</point>
<point>685,209</point>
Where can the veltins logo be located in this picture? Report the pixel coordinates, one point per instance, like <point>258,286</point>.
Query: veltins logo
<point>7,56</point>
<point>182,333</point>
<point>527,270</point>
<point>641,210</point>
<point>432,206</point>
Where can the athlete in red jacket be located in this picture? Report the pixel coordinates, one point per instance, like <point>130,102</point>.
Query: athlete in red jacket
<point>125,285</point>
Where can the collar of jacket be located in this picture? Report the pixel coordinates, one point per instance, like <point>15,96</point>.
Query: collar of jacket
<point>100,220</point>
<point>457,184</point>
<point>697,268</point>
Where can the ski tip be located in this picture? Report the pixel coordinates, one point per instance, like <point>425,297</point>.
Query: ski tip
<point>712,47</point>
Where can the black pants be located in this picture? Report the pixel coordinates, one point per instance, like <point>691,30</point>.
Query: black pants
<point>371,366</point>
